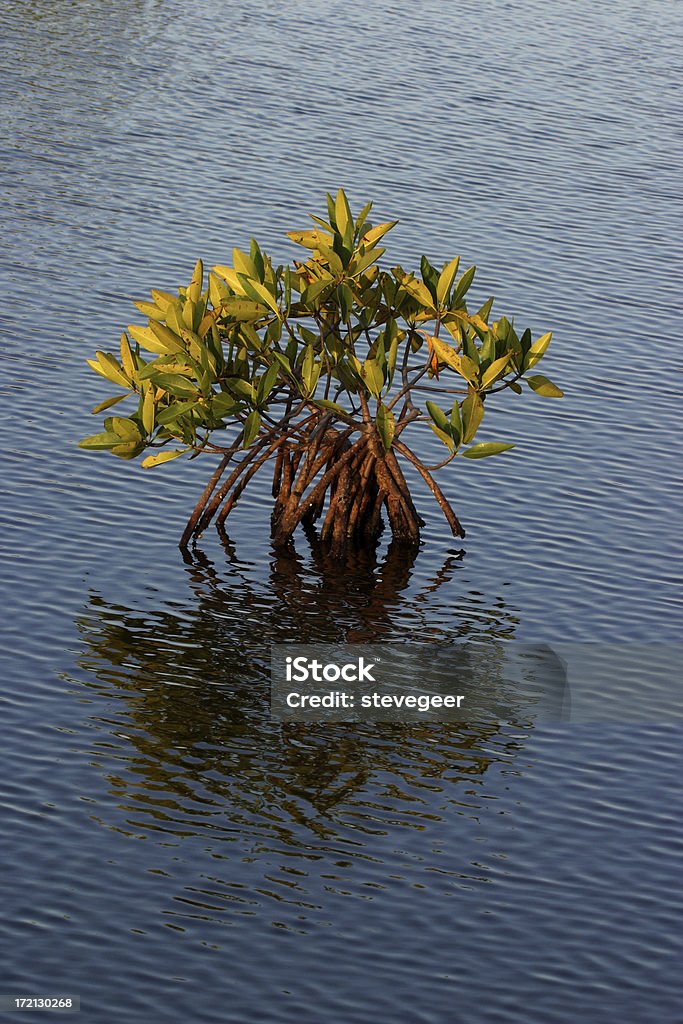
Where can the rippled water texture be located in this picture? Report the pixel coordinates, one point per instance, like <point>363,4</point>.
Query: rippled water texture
<point>169,852</point>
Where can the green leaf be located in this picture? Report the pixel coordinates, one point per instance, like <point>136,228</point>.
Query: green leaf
<point>148,410</point>
<point>363,216</point>
<point>149,309</point>
<point>481,328</point>
<point>487,351</point>
<point>345,297</point>
<point>126,429</point>
<point>419,291</point>
<point>525,341</point>
<point>396,338</point>
<point>257,259</point>
<point>544,386</point>
<point>485,310</point>
<point>157,460</point>
<point>443,437</point>
<point>333,258</point>
<point>274,331</point>
<point>470,349</point>
<point>175,411</point>
<point>244,264</point>
<point>463,285</point>
<point>195,289</point>
<point>259,293</point>
<point>127,449</point>
<point>495,370</point>
<point>456,423</point>
<point>163,364</point>
<point>332,406</point>
<point>362,262</point>
<point>127,360</point>
<point>174,319</point>
<point>446,353</point>
<point>164,299</point>
<point>386,426</point>
<point>241,388</point>
<point>100,442</point>
<point>446,279</point>
<point>373,235</point>
<point>243,310</point>
<point>342,212</point>
<point>284,362</point>
<point>310,239</point>
<point>223,405</point>
<point>307,367</point>
<point>537,350</point>
<point>439,417</point>
<point>486,448</point>
<point>373,376</point>
<point>108,402</point>
<point>252,426</point>
<point>267,383</point>
<point>472,415</point>
<point>379,353</point>
<point>109,368</point>
<point>230,277</point>
<point>315,290</point>
<point>193,313</point>
<point>218,290</point>
<point>175,384</point>
<point>469,370</point>
<point>429,276</point>
<point>167,338</point>
<point>149,341</point>
<point>94,365</point>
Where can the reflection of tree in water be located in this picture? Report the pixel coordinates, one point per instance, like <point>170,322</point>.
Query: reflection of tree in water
<point>363,600</point>
<point>196,689</point>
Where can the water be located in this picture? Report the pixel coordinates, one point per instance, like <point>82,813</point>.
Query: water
<point>171,853</point>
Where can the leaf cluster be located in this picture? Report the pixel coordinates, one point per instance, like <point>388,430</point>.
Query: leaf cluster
<point>264,348</point>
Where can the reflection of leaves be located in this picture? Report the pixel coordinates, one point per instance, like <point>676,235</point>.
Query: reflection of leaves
<point>196,689</point>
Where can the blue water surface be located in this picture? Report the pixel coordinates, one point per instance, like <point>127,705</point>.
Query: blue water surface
<point>169,852</point>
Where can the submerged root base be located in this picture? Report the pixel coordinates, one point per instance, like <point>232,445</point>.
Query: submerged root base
<point>352,486</point>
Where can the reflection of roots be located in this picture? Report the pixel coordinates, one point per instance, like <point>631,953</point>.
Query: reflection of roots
<point>348,483</point>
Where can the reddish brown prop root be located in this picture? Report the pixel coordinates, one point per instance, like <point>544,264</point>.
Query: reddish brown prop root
<point>349,481</point>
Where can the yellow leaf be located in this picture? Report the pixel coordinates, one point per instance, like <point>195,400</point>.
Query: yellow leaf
<point>478,322</point>
<point>195,288</point>
<point>446,280</point>
<point>259,293</point>
<point>230,275</point>
<point>111,369</point>
<point>165,336</point>
<point>148,411</point>
<point>342,212</point>
<point>127,356</point>
<point>373,236</point>
<point>147,340</point>
<point>164,299</point>
<point>495,370</point>
<point>244,264</point>
<point>418,290</point>
<point>156,460</point>
<point>461,364</point>
<point>445,353</point>
<point>310,239</point>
